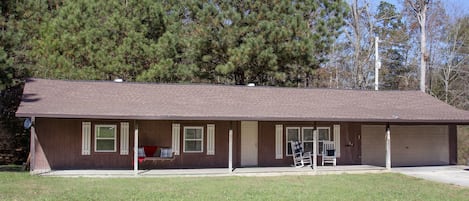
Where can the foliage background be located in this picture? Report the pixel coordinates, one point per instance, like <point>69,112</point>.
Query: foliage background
<point>318,43</point>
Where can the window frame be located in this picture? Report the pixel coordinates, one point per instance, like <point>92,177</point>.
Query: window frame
<point>201,140</point>
<point>96,126</point>
<point>303,137</point>
<point>286,138</point>
<point>322,141</point>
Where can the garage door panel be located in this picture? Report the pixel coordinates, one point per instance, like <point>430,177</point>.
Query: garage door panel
<point>419,145</point>
<point>373,145</point>
<point>410,145</point>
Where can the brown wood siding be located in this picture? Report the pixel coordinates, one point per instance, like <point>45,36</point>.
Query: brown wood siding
<point>266,146</point>
<point>60,140</point>
<point>158,133</point>
<point>59,145</point>
<point>350,132</point>
<point>453,144</point>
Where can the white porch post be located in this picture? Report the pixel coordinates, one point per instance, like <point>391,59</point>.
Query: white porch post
<point>388,148</point>
<point>135,148</point>
<point>32,147</point>
<point>315,146</point>
<point>230,151</point>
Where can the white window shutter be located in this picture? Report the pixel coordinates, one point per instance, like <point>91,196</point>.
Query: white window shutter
<point>278,141</point>
<point>85,138</point>
<point>337,139</point>
<point>176,136</point>
<point>124,138</point>
<point>210,139</point>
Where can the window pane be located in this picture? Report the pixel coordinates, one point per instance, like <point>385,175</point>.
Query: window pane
<point>193,133</point>
<point>193,146</point>
<point>198,133</point>
<point>292,134</point>
<point>289,152</point>
<point>190,134</point>
<point>105,132</point>
<point>105,145</point>
<point>307,134</point>
<point>323,134</point>
<point>308,146</point>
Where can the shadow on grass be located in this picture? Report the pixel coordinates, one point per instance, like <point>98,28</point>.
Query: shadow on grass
<point>11,168</point>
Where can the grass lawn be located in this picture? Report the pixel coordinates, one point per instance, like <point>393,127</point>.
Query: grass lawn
<point>386,186</point>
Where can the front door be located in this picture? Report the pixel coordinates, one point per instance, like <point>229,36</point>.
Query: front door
<point>249,143</point>
<point>350,140</point>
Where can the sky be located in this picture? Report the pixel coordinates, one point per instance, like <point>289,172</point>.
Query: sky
<point>452,6</point>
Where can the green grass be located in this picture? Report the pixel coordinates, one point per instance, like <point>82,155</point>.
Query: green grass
<point>389,186</point>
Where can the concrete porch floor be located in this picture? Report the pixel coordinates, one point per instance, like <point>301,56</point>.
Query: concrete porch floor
<point>209,172</point>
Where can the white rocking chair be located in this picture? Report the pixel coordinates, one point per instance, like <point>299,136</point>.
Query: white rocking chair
<point>300,158</point>
<point>328,153</point>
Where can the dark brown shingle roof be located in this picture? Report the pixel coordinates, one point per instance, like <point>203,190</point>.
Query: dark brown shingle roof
<point>98,99</point>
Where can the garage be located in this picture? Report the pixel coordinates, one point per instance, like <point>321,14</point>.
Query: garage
<point>411,145</point>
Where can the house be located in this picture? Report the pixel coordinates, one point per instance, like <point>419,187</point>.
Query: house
<point>102,124</point>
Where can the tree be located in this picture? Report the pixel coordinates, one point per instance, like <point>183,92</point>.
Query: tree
<point>391,30</point>
<point>18,24</point>
<point>419,9</point>
<point>278,43</point>
<point>89,39</point>
<point>359,32</point>
<point>453,64</point>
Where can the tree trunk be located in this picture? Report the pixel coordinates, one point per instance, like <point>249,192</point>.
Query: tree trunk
<point>423,48</point>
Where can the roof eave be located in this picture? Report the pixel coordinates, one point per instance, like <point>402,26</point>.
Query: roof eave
<point>245,118</point>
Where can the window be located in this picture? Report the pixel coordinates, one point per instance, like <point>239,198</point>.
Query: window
<point>293,134</point>
<point>105,138</point>
<point>324,134</point>
<point>193,139</point>
<point>308,139</point>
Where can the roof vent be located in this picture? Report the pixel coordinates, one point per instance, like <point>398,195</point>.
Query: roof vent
<point>119,80</point>
<point>251,85</point>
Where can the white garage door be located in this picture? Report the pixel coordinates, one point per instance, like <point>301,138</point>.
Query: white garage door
<point>410,145</point>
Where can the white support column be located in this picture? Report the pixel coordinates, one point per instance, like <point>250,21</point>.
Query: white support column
<point>388,148</point>
<point>135,148</point>
<point>315,147</point>
<point>230,151</point>
<point>32,147</point>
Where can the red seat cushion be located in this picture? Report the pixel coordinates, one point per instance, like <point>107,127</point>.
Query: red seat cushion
<point>149,150</point>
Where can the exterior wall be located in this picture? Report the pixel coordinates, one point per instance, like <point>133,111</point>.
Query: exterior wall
<point>411,145</point>
<point>158,133</point>
<point>453,144</point>
<point>58,146</point>
<point>462,145</point>
<point>349,142</point>
<point>59,143</point>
